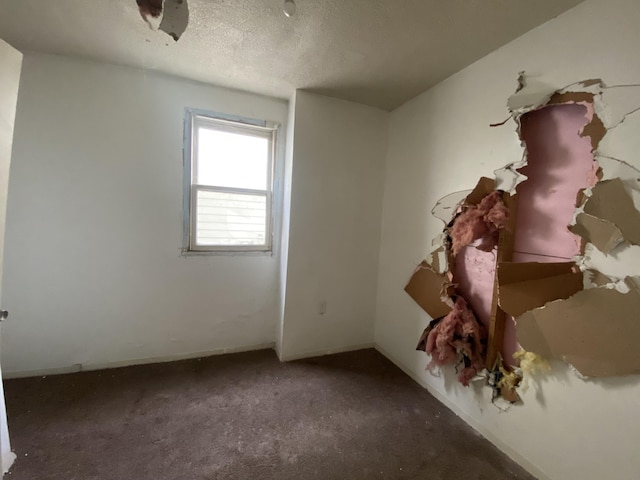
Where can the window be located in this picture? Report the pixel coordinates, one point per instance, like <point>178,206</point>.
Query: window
<point>229,164</point>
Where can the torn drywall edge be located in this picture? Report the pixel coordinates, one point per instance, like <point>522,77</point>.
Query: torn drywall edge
<point>446,207</point>
<point>601,233</point>
<point>175,18</point>
<point>484,187</point>
<point>620,263</point>
<point>528,96</point>
<point>532,97</point>
<point>629,175</point>
<point>610,168</point>
<point>525,286</point>
<point>535,96</point>
<point>610,201</point>
<point>508,177</point>
<point>574,330</point>
<point>427,287</point>
<point>611,104</point>
<point>594,128</point>
<point>438,260</point>
<point>616,103</point>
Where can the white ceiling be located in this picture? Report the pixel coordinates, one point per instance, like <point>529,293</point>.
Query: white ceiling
<point>377,52</point>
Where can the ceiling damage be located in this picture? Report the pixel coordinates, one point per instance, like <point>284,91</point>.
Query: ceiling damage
<point>380,53</point>
<point>575,299</point>
<point>173,14</point>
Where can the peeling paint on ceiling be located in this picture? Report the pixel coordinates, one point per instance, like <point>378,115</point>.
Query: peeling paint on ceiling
<point>380,53</point>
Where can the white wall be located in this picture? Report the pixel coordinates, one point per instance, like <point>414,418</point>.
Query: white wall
<point>440,143</point>
<point>285,221</point>
<point>336,206</point>
<point>10,69</point>
<point>93,271</point>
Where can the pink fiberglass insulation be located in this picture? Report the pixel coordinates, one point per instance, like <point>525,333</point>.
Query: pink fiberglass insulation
<point>474,276</point>
<point>459,333</point>
<point>559,164</point>
<point>479,221</point>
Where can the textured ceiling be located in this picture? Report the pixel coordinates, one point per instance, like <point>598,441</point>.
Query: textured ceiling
<point>377,52</point>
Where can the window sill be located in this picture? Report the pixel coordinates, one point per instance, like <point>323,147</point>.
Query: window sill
<point>225,253</point>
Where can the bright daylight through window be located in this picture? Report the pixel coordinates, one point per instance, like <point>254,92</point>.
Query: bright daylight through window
<point>231,184</point>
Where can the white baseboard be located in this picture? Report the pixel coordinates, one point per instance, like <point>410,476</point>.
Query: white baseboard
<point>478,427</point>
<point>323,352</point>
<point>7,460</point>
<point>135,361</point>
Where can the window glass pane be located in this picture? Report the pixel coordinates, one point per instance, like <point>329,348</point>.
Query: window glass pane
<point>230,219</point>
<point>232,160</point>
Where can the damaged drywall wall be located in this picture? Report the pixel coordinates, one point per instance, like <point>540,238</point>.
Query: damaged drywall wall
<point>558,276</point>
<point>173,15</point>
<point>596,330</point>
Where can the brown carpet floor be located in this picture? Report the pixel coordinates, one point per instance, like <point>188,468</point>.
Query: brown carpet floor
<point>243,416</point>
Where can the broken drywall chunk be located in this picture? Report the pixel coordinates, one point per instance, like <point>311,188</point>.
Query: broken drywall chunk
<point>438,260</point>
<point>593,86</point>
<point>610,201</point>
<point>602,233</point>
<point>616,103</point>
<point>622,142</point>
<point>525,286</point>
<point>175,18</point>
<point>596,330</point>
<point>427,288</point>
<point>422,343</point>
<point>630,176</point>
<point>530,95</point>
<point>533,95</point>
<point>618,264</point>
<point>613,168</point>
<point>508,177</point>
<point>447,207</point>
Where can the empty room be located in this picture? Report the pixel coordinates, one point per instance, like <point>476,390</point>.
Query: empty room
<point>319,239</point>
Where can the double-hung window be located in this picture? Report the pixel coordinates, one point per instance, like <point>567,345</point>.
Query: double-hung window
<point>230,165</point>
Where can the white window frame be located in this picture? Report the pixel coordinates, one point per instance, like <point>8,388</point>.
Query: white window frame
<point>195,119</point>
